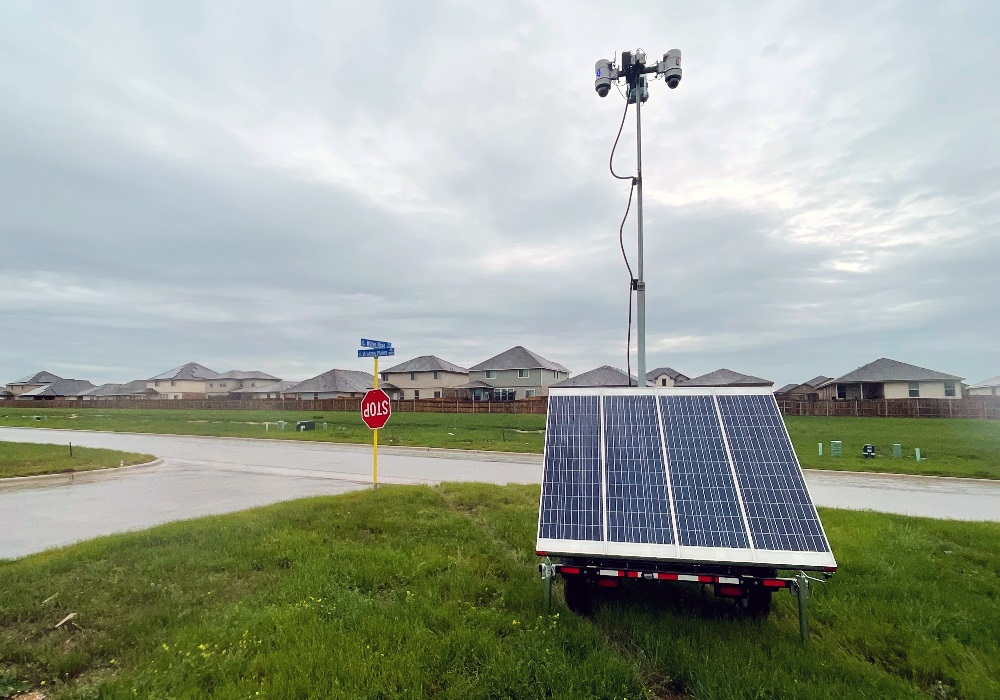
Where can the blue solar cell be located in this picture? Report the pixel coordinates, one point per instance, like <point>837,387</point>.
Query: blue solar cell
<point>780,513</point>
<point>705,499</point>
<point>571,484</point>
<point>637,497</point>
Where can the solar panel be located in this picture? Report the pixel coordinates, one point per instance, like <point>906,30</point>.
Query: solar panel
<point>637,501</point>
<point>697,474</point>
<point>780,514</point>
<point>571,485</point>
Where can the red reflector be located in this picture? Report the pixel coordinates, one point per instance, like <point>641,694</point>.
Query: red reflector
<point>667,577</point>
<point>774,582</point>
<point>633,574</point>
<point>569,570</point>
<point>542,554</point>
<point>705,579</point>
<point>830,569</point>
<point>607,583</point>
<point>734,591</point>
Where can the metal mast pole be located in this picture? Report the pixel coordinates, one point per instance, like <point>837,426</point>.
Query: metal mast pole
<point>640,284</point>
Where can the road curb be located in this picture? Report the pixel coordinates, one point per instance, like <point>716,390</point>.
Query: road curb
<point>27,482</point>
<point>383,449</point>
<point>938,477</point>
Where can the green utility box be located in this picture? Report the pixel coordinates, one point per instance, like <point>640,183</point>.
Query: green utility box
<point>897,450</point>
<point>836,448</point>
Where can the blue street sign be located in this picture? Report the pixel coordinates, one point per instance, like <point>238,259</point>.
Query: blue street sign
<point>379,344</point>
<point>377,352</point>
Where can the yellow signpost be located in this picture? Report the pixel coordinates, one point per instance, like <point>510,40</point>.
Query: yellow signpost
<point>375,406</point>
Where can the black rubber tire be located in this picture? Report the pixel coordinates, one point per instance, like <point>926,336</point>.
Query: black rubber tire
<point>578,594</point>
<point>756,602</point>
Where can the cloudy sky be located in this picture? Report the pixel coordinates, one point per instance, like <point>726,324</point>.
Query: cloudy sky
<point>257,185</point>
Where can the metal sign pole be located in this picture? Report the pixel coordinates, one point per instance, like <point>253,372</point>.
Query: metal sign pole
<point>640,284</point>
<point>375,440</point>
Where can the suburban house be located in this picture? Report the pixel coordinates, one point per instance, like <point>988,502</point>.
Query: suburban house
<point>891,379</point>
<point>188,381</point>
<point>194,381</point>
<point>108,392</point>
<point>664,376</point>
<point>334,384</point>
<point>263,390</point>
<point>806,391</point>
<point>59,389</point>
<point>606,375</point>
<point>726,377</point>
<point>424,377</point>
<point>31,382</point>
<point>235,380</point>
<point>516,373</point>
<point>991,387</point>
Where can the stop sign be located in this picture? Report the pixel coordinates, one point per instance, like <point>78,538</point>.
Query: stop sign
<point>375,408</point>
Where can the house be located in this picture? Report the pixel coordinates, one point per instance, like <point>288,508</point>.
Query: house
<point>605,375</point>
<point>263,390</point>
<point>234,380</point>
<point>991,387</point>
<point>664,376</point>
<point>726,377</point>
<point>891,379</point>
<point>333,384</point>
<point>188,381</point>
<point>516,373</point>
<point>107,392</point>
<point>423,377</point>
<point>806,391</point>
<point>59,389</point>
<point>31,382</point>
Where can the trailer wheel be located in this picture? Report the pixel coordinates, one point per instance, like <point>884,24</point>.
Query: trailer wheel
<point>756,602</point>
<point>576,590</point>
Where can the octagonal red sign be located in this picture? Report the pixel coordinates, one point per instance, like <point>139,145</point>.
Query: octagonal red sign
<point>375,408</point>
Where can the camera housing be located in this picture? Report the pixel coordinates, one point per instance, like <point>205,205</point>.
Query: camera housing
<point>605,71</point>
<point>670,68</point>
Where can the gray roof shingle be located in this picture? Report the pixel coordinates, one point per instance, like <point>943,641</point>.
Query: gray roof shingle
<point>726,377</point>
<point>134,388</point>
<point>42,377</point>
<point>670,372</point>
<point>190,371</point>
<point>785,389</point>
<point>60,387</point>
<point>886,370</point>
<point>427,363</point>
<point>273,388</point>
<point>247,374</point>
<point>995,381</point>
<point>605,375</point>
<point>334,381</point>
<point>517,357</point>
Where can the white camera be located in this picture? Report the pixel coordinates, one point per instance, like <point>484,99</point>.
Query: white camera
<point>670,68</point>
<point>606,72</point>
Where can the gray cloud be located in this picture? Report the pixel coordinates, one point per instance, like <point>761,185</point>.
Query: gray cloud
<point>257,186</point>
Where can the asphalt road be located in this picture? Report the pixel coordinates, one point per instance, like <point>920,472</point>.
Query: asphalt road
<point>204,476</point>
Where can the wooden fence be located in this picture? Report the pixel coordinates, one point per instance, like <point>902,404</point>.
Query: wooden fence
<point>530,406</point>
<point>974,407</point>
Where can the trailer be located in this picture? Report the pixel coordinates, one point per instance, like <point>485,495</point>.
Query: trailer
<point>699,485</point>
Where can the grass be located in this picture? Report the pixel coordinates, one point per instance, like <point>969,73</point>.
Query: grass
<point>25,459</point>
<point>948,447</point>
<point>959,447</point>
<point>412,592</point>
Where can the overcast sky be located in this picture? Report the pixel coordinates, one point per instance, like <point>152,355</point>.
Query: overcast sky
<point>257,185</point>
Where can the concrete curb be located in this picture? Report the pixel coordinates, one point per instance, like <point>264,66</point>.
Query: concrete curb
<point>458,453</point>
<point>27,482</point>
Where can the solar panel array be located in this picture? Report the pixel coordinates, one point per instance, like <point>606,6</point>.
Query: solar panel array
<point>702,475</point>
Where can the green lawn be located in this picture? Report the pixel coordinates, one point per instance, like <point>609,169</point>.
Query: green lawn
<point>969,448</point>
<point>412,592</point>
<point>24,459</point>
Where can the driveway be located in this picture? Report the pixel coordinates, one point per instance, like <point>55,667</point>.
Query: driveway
<point>204,476</point>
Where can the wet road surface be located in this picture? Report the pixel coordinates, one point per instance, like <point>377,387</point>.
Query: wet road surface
<point>203,476</point>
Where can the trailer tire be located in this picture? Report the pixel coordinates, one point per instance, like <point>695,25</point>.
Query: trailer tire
<point>578,595</point>
<point>756,602</point>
